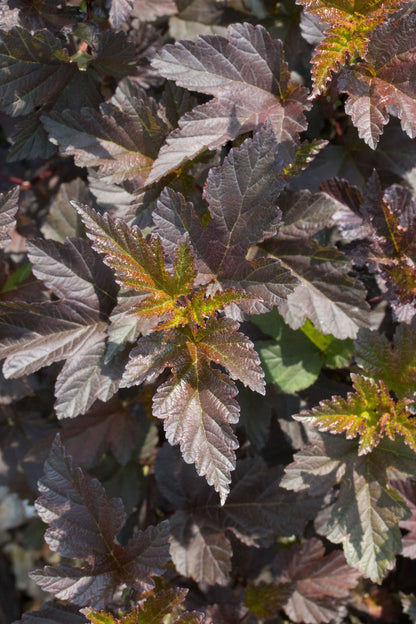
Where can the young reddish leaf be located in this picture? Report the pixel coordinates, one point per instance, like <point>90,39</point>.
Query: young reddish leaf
<point>140,264</point>
<point>84,524</point>
<point>351,25</point>
<point>8,209</point>
<point>382,85</point>
<point>394,363</point>
<point>369,413</point>
<point>250,82</point>
<point>366,513</point>
<point>242,196</point>
<point>154,608</point>
<point>342,41</point>
<point>200,543</point>
<point>320,583</point>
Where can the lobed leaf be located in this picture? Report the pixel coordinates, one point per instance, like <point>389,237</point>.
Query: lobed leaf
<point>381,86</point>
<point>72,328</point>
<point>325,294</point>
<point>84,524</point>
<point>256,512</point>
<point>395,363</point>
<point>197,402</point>
<point>154,608</point>
<point>121,138</point>
<point>369,413</point>
<point>320,583</point>
<point>250,82</point>
<point>366,513</point>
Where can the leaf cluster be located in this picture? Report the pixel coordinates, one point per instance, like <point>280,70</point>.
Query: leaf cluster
<point>207,311</point>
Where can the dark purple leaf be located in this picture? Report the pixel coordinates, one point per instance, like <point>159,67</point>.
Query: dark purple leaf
<point>84,524</point>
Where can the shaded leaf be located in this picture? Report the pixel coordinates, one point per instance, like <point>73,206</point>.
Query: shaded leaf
<point>121,138</point>
<point>8,209</point>
<point>200,543</point>
<point>53,614</point>
<point>326,295</point>
<point>250,82</point>
<point>114,427</point>
<point>366,514</point>
<point>407,490</point>
<point>84,524</point>
<point>394,363</point>
<point>320,582</point>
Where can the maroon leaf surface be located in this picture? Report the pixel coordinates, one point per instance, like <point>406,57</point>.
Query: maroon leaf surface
<point>84,524</point>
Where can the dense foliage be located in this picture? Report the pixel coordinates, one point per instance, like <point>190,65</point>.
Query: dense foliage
<point>207,311</point>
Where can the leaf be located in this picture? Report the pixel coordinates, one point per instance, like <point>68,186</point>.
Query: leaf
<point>264,600</point>
<point>72,328</point>
<point>154,608</point>
<point>84,524</point>
<point>114,427</point>
<point>147,10</point>
<point>381,86</point>
<point>366,513</point>
<point>140,265</point>
<point>250,82</point>
<point>409,606</point>
<point>407,490</point>
<point>291,361</point>
<point>395,363</point>
<point>325,294</point>
<point>242,196</point>
<point>369,413</point>
<point>197,402</point>
<point>119,12</point>
<point>201,528</point>
<point>351,25</point>
<point>122,138</point>
<point>53,614</point>
<point>8,209</point>
<point>320,582</point>
<point>37,70</point>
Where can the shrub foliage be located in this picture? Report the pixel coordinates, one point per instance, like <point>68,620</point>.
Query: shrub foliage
<point>208,310</point>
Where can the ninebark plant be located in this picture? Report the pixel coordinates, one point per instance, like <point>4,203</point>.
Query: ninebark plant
<point>208,309</point>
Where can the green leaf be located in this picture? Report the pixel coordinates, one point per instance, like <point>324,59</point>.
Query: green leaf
<point>295,357</point>
<point>369,413</point>
<point>158,606</point>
